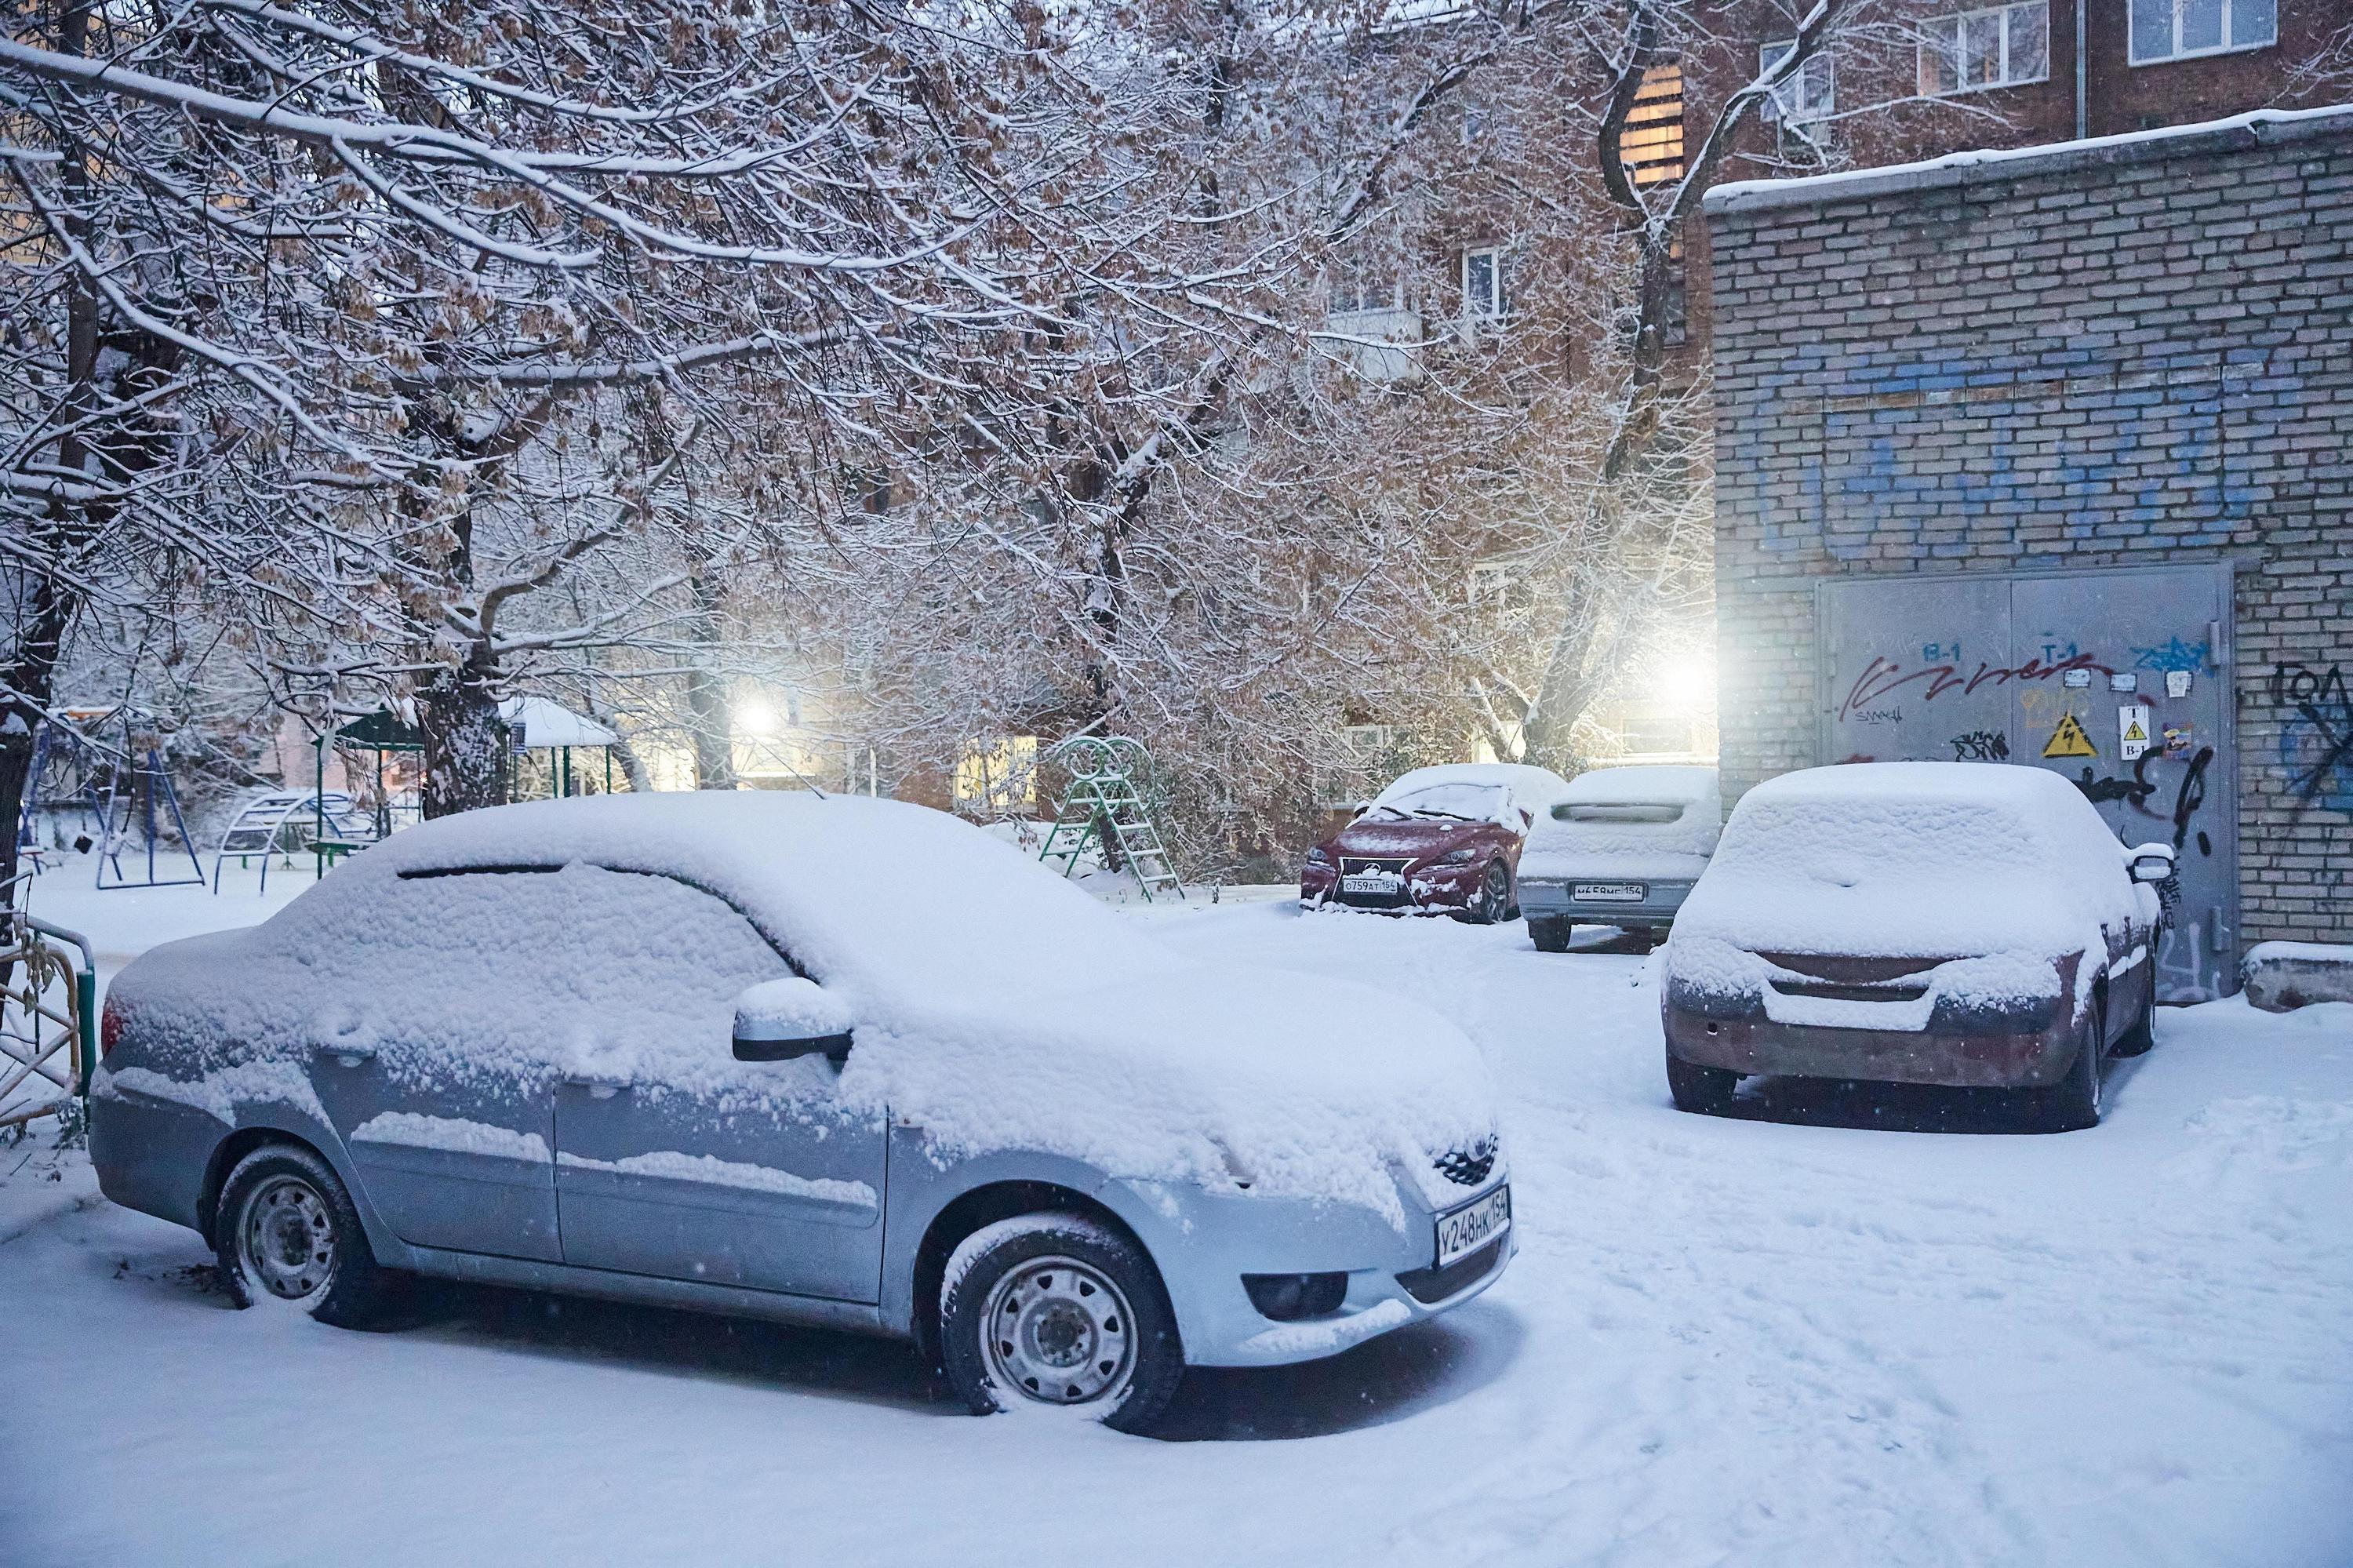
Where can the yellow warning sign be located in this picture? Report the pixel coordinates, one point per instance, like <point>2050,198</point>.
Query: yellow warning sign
<point>2069,739</point>
<point>2133,732</point>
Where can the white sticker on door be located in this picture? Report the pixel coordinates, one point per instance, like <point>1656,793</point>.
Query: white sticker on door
<point>2132,731</point>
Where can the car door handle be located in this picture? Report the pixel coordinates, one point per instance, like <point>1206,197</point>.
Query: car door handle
<point>347,1056</point>
<point>598,1088</point>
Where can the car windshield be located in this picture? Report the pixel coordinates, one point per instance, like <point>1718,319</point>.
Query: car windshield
<point>1452,802</point>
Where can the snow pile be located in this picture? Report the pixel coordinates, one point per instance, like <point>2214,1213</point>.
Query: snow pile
<point>1654,822</point>
<point>997,1006</point>
<point>2007,869</point>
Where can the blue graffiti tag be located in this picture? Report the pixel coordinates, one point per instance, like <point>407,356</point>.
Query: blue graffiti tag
<point>2175,655</point>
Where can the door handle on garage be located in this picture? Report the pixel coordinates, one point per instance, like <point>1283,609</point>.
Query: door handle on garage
<point>346,1055</point>
<point>598,1088</point>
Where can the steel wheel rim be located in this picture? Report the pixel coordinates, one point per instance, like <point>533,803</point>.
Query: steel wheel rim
<point>1058,1331</point>
<point>286,1239</point>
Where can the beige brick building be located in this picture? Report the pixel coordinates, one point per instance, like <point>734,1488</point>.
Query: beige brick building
<point>2008,441</point>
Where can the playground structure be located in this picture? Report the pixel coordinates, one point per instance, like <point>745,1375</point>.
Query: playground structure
<point>536,723</point>
<point>126,792</point>
<point>1105,806</point>
<point>48,1017</point>
<point>323,823</point>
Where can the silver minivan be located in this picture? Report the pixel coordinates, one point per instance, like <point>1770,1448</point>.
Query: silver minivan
<point>833,1061</point>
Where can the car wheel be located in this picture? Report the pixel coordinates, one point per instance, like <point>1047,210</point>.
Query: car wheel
<point>2073,1103</point>
<point>1059,1310</point>
<point>287,1233</point>
<point>1549,936</point>
<point>1494,895</point>
<point>1707,1091</point>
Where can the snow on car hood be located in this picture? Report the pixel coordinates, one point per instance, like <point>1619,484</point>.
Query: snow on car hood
<point>2006,864</point>
<point>1288,1084</point>
<point>999,1006</point>
<point>1389,837</point>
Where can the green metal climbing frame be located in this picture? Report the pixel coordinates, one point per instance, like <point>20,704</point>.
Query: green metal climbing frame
<point>1105,804</point>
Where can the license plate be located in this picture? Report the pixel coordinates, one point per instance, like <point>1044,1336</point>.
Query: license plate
<point>1609,892</point>
<point>1372,882</point>
<point>1467,1229</point>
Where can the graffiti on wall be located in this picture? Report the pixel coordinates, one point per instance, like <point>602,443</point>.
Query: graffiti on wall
<point>1883,677</point>
<point>2315,746</point>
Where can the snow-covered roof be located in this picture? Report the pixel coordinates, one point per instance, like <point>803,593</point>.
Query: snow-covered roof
<point>544,723</point>
<point>2262,124</point>
<point>1664,783</point>
<point>1532,787</point>
<point>1915,858</point>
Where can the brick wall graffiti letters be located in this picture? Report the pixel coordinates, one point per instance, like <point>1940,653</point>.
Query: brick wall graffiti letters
<point>2316,747</point>
<point>1882,677</point>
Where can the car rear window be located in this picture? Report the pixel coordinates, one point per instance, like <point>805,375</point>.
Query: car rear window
<point>1629,811</point>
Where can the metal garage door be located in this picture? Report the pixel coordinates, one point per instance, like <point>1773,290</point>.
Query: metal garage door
<point>2120,680</point>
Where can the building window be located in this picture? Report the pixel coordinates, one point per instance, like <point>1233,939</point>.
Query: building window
<point>1809,93</point>
<point>2182,29</point>
<point>1651,145</point>
<point>1483,295</point>
<point>2002,46</point>
<point>1360,283</point>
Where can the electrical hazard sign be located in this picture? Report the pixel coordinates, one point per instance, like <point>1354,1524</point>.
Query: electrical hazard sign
<point>2069,739</point>
<point>2132,731</point>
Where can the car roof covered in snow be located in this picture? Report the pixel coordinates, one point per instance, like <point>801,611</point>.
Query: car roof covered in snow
<point>1914,857</point>
<point>1641,784</point>
<point>1534,787</point>
<point>871,892</point>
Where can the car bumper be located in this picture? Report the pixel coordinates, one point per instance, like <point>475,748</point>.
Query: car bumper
<point>152,1154</point>
<point>1952,1057</point>
<point>1547,898</point>
<point>1430,890</point>
<point>1210,1240</point>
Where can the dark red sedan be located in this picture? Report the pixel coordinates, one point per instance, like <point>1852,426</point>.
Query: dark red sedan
<point>1439,841</point>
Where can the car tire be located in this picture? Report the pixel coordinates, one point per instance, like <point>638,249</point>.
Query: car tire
<point>1059,1310</point>
<point>1704,1091</point>
<point>1549,936</point>
<point>2073,1104</point>
<point>1494,895</point>
<point>286,1233</point>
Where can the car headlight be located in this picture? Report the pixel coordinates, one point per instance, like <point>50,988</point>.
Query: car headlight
<point>1458,857</point>
<point>1317,857</point>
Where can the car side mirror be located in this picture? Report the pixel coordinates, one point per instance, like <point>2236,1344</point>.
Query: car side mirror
<point>783,1019</point>
<point>2151,862</point>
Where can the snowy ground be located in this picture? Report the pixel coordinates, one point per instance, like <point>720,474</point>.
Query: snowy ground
<point>1861,1332</point>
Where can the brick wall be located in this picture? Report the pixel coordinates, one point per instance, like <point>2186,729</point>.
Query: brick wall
<point>2103,356</point>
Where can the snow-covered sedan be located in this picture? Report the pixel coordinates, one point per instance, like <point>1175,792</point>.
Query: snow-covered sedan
<point>1956,923</point>
<point>700,1050</point>
<point>1622,846</point>
<point>1438,840</point>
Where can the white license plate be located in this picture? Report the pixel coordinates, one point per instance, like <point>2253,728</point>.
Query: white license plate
<point>1609,892</point>
<point>1474,1225</point>
<point>1376,882</point>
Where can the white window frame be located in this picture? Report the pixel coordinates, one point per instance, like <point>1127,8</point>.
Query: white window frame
<point>1498,303</point>
<point>1812,86</point>
<point>1955,26</point>
<point>1355,282</point>
<point>2229,46</point>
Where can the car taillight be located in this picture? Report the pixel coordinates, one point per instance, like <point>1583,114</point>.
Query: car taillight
<point>110,1029</point>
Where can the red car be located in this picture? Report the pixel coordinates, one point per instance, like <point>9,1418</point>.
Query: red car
<point>1439,841</point>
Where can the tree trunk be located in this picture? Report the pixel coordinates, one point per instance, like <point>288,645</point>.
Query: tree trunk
<point>466,748</point>
<point>706,692</point>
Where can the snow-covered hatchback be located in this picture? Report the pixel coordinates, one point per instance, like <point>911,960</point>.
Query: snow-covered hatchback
<point>1956,923</point>
<point>702,1050</point>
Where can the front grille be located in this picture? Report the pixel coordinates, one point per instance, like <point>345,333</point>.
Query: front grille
<point>1467,1166</point>
<point>1430,1285</point>
<point>1357,864</point>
